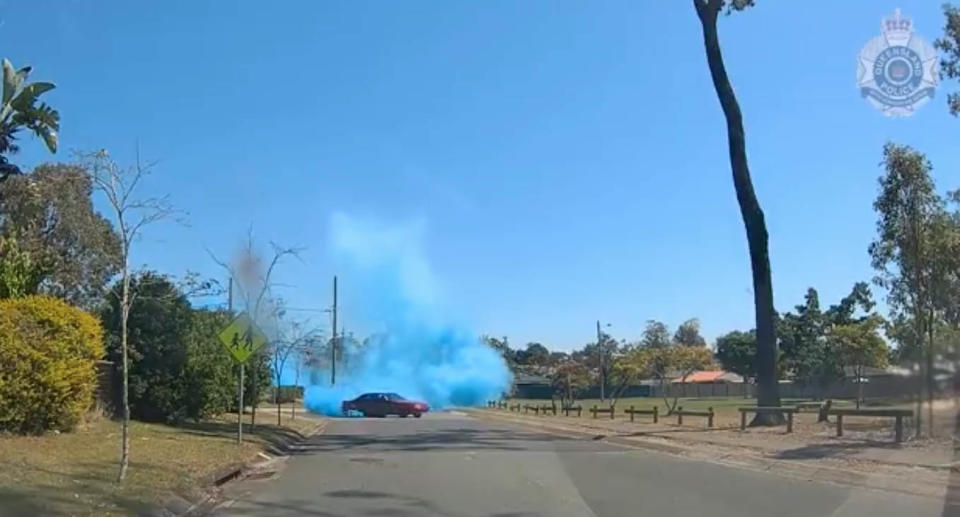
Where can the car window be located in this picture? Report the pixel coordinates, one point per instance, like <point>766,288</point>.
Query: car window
<point>395,397</point>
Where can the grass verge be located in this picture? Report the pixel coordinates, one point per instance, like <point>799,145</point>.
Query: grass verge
<point>75,473</point>
<point>722,406</point>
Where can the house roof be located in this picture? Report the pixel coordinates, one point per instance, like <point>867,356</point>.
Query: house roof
<point>710,376</point>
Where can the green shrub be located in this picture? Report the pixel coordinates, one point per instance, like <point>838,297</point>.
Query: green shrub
<point>178,369</point>
<point>48,354</point>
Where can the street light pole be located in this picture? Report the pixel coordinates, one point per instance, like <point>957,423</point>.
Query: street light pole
<point>333,342</point>
<point>601,349</point>
<point>603,376</point>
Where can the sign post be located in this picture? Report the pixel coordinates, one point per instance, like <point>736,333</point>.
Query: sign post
<point>242,338</point>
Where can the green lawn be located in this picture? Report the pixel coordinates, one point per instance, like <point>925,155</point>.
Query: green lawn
<point>721,405</point>
<point>74,473</point>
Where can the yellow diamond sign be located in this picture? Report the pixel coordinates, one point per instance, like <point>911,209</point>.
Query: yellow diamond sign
<point>242,338</point>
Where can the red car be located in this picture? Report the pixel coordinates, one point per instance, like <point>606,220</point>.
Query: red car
<point>383,404</point>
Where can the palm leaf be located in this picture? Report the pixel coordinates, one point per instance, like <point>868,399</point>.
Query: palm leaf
<point>11,80</point>
<point>43,120</point>
<point>29,94</point>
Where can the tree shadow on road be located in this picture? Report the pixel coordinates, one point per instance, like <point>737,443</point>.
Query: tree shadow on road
<point>832,450</point>
<point>951,503</point>
<point>451,439</point>
<point>271,435</point>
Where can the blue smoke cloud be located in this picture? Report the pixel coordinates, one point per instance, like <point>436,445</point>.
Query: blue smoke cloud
<point>414,349</point>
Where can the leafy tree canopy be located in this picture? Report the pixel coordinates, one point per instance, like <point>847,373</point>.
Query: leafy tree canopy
<point>737,351</point>
<point>949,47</point>
<point>688,334</point>
<point>51,215</point>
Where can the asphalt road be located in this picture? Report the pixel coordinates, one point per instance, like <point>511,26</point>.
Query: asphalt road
<point>451,464</point>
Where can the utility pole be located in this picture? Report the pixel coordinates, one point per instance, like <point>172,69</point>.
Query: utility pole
<point>343,347</point>
<point>333,341</point>
<point>603,376</point>
<point>240,386</point>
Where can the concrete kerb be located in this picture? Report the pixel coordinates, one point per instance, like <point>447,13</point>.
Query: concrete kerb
<point>787,468</point>
<point>174,505</point>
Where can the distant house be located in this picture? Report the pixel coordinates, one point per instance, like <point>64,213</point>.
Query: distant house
<point>709,377</point>
<point>527,386</point>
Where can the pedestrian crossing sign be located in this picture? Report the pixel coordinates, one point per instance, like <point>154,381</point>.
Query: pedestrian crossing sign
<point>242,338</point>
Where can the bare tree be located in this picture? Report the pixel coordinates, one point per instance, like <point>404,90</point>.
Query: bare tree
<point>253,284</point>
<point>131,215</point>
<point>293,339</point>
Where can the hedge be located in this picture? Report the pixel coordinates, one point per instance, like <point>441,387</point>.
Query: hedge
<point>287,394</point>
<point>48,354</point>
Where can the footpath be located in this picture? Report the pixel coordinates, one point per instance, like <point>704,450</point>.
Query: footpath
<point>865,456</point>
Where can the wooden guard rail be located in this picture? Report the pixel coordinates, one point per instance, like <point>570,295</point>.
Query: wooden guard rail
<point>595,410</point>
<point>898,414</point>
<point>681,413</point>
<point>653,412</point>
<point>789,411</point>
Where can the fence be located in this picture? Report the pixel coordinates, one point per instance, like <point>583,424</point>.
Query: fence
<point>883,386</point>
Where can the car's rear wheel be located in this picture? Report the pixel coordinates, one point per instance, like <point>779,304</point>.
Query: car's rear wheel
<point>416,415</point>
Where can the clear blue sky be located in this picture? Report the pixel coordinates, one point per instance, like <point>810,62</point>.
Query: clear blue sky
<point>567,159</point>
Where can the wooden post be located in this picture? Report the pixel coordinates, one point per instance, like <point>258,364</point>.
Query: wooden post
<point>680,416</point>
<point>631,413</point>
<point>899,429</point>
<point>594,411</point>
<point>536,410</point>
<point>612,409</point>
<point>710,417</point>
<point>655,410</point>
<point>840,425</point>
<point>790,421</point>
<point>743,420</point>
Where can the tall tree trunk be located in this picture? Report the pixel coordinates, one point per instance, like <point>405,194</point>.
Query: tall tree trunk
<point>254,391</point>
<point>125,395</point>
<point>918,398</point>
<point>768,389</point>
<point>859,387</point>
<point>931,386</point>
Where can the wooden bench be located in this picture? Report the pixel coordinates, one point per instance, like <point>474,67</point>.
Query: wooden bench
<point>633,412</point>
<point>527,408</point>
<point>515,407</point>
<point>681,413</point>
<point>566,410</point>
<point>789,411</point>
<point>595,410</point>
<point>898,414</point>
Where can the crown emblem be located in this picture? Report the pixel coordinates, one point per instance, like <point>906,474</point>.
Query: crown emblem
<point>897,29</point>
